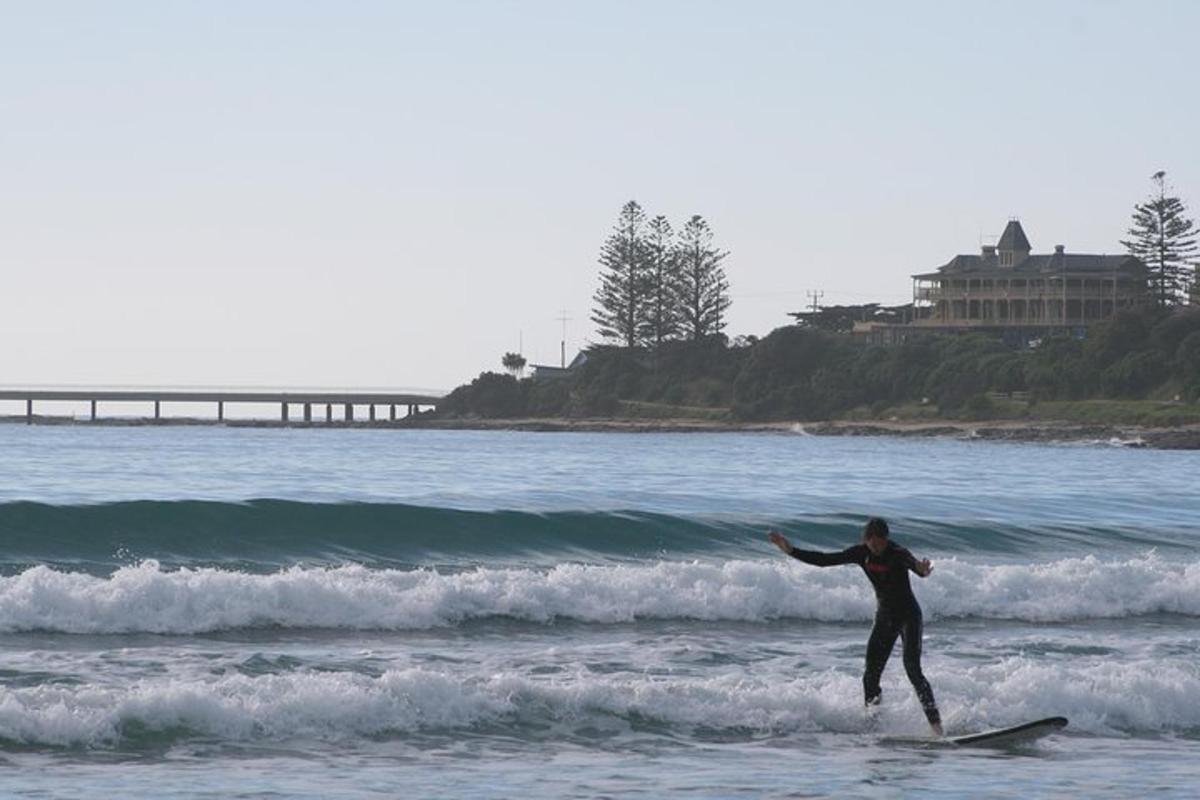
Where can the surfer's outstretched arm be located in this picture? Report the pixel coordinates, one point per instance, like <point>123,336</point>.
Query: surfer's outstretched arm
<point>851,555</point>
<point>922,567</point>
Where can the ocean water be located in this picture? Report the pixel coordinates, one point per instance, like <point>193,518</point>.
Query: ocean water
<point>208,612</point>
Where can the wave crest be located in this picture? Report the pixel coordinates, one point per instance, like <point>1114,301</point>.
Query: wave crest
<point>264,535</point>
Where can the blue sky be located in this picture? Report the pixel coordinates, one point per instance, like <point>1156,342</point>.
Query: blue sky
<point>393,194</point>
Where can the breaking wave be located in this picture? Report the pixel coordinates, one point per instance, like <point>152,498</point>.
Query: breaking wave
<point>146,598</point>
<point>1098,697</point>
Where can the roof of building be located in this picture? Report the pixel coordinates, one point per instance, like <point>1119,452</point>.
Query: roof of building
<point>1014,238</point>
<point>1037,264</point>
<point>554,370</point>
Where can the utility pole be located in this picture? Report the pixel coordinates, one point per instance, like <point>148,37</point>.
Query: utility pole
<point>564,319</point>
<point>815,298</point>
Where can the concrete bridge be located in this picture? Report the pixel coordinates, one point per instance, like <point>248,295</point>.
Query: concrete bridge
<point>303,401</point>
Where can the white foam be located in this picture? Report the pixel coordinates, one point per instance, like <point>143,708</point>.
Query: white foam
<point>145,598</point>
<point>1098,697</point>
<point>241,708</point>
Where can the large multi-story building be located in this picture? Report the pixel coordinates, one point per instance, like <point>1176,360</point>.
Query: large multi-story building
<point>1008,286</point>
<point>1006,289</point>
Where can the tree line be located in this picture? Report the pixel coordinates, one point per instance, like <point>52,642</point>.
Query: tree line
<point>658,285</point>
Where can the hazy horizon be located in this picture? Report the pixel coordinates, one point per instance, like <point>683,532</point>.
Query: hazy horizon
<point>395,194</point>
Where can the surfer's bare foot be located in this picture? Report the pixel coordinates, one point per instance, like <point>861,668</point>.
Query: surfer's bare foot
<point>937,729</point>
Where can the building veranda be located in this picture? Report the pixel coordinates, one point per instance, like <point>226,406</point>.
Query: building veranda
<point>1008,289</point>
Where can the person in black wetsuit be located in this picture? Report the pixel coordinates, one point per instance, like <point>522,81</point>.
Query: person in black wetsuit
<point>886,565</point>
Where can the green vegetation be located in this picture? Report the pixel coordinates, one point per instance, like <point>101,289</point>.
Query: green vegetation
<point>1130,369</point>
<point>514,363</point>
<point>1165,239</point>
<point>656,286</point>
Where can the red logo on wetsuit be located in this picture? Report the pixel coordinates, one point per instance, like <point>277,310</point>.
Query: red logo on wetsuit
<point>878,567</point>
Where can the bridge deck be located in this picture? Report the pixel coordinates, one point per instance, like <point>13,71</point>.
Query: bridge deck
<point>307,399</point>
<point>221,396</point>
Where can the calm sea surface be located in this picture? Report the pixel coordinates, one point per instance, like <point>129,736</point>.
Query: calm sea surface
<point>346,613</point>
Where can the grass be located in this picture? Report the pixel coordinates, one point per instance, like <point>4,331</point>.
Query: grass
<point>639,409</point>
<point>1150,413</point>
<point>928,412</point>
<point>1153,413</point>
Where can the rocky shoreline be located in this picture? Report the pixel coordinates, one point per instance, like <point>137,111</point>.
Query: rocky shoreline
<point>1184,437</point>
<point>1176,438</point>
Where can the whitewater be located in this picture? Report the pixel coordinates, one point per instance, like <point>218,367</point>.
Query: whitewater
<point>347,613</point>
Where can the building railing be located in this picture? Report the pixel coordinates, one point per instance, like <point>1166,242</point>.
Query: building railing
<point>1050,322</point>
<point>932,295</point>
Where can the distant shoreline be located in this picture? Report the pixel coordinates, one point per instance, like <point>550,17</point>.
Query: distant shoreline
<point>1183,437</point>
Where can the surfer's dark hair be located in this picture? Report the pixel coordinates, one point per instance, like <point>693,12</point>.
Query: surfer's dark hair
<point>876,526</point>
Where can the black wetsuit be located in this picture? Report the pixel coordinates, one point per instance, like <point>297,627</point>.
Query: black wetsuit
<point>897,614</point>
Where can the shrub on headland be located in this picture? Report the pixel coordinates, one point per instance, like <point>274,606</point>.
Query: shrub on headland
<point>1187,364</point>
<point>489,395</point>
<point>800,373</point>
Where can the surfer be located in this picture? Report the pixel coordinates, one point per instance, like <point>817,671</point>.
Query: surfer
<point>886,565</point>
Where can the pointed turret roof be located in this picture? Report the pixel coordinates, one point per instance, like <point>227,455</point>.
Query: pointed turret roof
<point>1014,238</point>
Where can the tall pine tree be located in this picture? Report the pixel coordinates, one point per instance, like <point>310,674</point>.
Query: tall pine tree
<point>1164,238</point>
<point>620,311</point>
<point>702,290</point>
<point>662,274</point>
